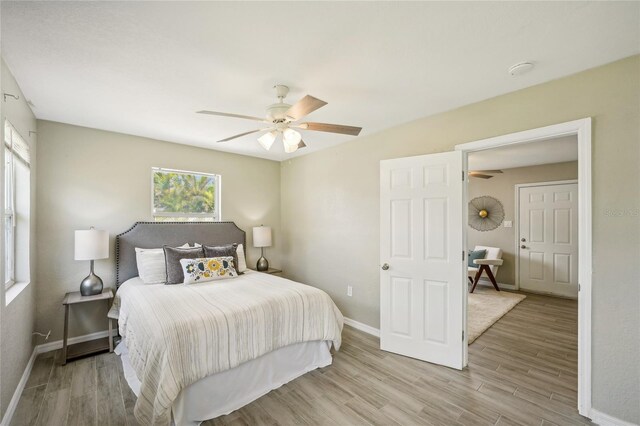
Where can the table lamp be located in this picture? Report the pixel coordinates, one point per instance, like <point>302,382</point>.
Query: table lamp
<point>90,245</point>
<point>262,239</point>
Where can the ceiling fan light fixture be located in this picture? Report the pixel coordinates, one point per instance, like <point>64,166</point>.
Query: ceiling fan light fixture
<point>290,148</point>
<point>291,138</point>
<point>283,118</point>
<point>267,140</point>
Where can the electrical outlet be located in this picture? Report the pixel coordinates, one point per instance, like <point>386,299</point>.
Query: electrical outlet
<point>508,224</point>
<point>349,291</point>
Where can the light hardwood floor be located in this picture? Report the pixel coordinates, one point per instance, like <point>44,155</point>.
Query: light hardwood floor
<point>521,371</point>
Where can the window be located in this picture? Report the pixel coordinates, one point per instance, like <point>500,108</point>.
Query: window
<point>185,196</point>
<point>17,210</point>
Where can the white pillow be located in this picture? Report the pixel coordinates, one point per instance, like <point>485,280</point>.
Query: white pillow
<point>152,268</point>
<point>242,261</point>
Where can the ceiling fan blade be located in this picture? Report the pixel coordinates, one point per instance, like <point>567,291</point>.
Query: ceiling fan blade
<point>304,106</point>
<point>332,128</point>
<point>486,171</point>
<point>241,134</point>
<point>226,114</point>
<point>301,144</point>
<point>479,175</point>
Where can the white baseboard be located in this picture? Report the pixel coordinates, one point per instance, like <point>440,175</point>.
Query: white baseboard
<point>362,327</point>
<point>13,404</point>
<point>501,286</point>
<point>603,419</point>
<point>52,346</point>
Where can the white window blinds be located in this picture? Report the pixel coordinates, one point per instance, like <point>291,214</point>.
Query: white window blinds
<point>16,144</point>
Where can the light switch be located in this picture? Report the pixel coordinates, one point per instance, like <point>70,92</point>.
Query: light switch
<point>508,224</point>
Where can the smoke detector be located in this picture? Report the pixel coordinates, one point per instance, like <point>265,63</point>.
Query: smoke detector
<point>520,68</point>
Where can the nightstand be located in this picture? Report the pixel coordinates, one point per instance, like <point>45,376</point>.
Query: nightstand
<point>272,271</point>
<point>77,350</point>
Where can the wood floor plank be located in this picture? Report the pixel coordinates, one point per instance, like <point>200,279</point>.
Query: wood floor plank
<point>83,411</point>
<point>370,413</point>
<point>111,410</point>
<point>338,412</point>
<point>521,410</point>
<point>55,407</point>
<point>26,413</point>
<point>61,375</point>
<point>83,381</point>
<point>254,414</point>
<point>517,375</point>
<point>400,415</point>
<point>40,371</point>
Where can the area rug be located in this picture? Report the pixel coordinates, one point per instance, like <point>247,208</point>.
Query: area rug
<point>486,306</point>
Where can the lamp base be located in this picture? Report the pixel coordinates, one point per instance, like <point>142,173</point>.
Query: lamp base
<point>263,264</point>
<point>91,285</point>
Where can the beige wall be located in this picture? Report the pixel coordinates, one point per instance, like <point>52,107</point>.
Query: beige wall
<point>330,208</point>
<point>502,187</point>
<point>18,318</point>
<point>91,177</point>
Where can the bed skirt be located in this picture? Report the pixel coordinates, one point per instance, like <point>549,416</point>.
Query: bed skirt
<point>225,392</point>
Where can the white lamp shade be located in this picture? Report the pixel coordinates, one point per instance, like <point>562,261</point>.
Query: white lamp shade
<point>262,236</point>
<point>91,244</point>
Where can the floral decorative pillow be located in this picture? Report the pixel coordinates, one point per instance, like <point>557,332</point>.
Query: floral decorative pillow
<point>207,269</point>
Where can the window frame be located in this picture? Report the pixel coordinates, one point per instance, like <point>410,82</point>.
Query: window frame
<point>11,185</point>
<point>9,212</point>
<point>216,216</point>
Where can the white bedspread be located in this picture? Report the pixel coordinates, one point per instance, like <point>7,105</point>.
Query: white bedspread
<point>179,334</point>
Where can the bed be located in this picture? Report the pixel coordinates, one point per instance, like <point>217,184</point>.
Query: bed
<point>195,352</point>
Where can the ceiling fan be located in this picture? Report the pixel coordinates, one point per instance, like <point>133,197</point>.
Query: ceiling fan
<point>484,174</point>
<point>283,119</point>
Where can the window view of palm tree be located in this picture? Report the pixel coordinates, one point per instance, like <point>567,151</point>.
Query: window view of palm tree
<point>184,194</point>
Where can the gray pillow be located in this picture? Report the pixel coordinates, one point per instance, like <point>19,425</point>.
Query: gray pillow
<point>474,255</point>
<point>172,256</point>
<point>222,251</point>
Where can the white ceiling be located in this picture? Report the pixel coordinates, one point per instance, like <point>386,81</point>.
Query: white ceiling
<point>144,68</point>
<point>554,150</point>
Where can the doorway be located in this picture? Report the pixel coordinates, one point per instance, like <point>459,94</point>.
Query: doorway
<point>423,233</point>
<point>582,130</point>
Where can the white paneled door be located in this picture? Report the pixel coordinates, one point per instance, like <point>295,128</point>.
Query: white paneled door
<point>422,273</point>
<point>548,239</point>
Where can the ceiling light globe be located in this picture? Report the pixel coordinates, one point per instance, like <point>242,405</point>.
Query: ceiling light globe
<point>290,148</point>
<point>291,138</point>
<point>267,140</point>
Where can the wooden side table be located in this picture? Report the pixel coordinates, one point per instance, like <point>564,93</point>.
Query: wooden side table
<point>85,348</point>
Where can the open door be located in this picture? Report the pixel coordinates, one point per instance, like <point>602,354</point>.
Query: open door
<point>422,258</point>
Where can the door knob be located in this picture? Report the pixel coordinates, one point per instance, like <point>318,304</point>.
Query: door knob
<point>523,239</point>
<point>523,246</point>
<point>385,266</point>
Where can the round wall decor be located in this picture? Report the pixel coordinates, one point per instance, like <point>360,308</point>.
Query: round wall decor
<point>485,213</point>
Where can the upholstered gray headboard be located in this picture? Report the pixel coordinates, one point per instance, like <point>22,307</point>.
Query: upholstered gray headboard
<point>157,234</point>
